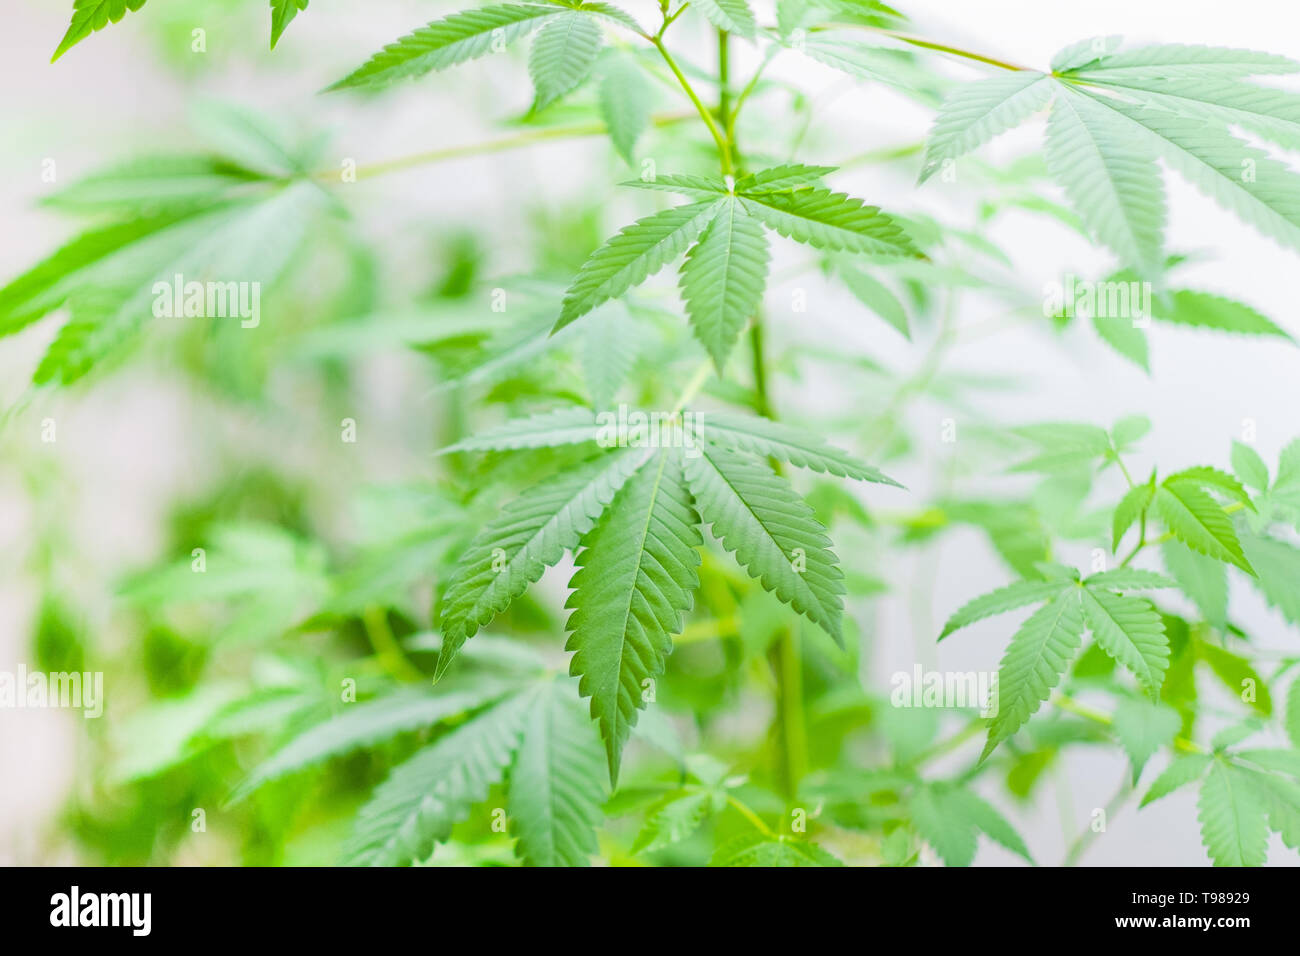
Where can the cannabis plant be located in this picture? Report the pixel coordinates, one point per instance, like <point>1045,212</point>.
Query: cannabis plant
<point>626,612</point>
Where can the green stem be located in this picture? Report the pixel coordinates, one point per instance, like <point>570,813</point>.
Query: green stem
<point>502,144</point>
<point>790,717</point>
<point>1072,706</point>
<point>1085,838</point>
<point>972,729</point>
<point>692,387</point>
<point>791,732</point>
<point>724,95</point>
<point>707,630</point>
<point>730,119</point>
<point>724,151</point>
<point>752,817</point>
<point>925,44</point>
<point>762,403</point>
<point>387,650</point>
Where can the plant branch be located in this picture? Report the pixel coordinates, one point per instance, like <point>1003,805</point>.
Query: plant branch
<point>1070,705</point>
<point>925,44</point>
<point>499,145</point>
<point>724,151</point>
<point>1085,839</point>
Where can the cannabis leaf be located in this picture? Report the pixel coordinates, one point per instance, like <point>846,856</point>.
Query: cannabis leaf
<point>1182,770</point>
<point>419,803</point>
<point>795,446</point>
<point>636,253</point>
<point>757,849</point>
<point>758,515</point>
<point>448,42</point>
<point>625,100</point>
<point>635,577</point>
<point>1005,599</point>
<point>1117,192</point>
<point>88,16</point>
<point>724,274</point>
<point>977,112</point>
<point>1128,629</point>
<point>555,795</point>
<point>1233,824</point>
<point>673,819</point>
<point>723,277</point>
<point>1143,728</point>
<point>1197,520</point>
<point>734,16</point>
<point>1114,111</point>
<point>282,14</point>
<point>950,817</point>
<point>531,534</point>
<point>1037,656</point>
<point>828,220</point>
<point>563,53</point>
<point>365,724</point>
<point>541,737</point>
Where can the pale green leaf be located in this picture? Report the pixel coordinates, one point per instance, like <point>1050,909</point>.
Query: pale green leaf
<point>673,819</point>
<point>562,55</point>
<point>1206,311</point>
<point>423,798</point>
<point>1142,728</point>
<point>1197,520</point>
<point>734,16</point>
<point>799,447</point>
<point>636,574</point>
<point>1039,653</point>
<point>829,220</point>
<point>1008,598</point>
<point>1249,466</point>
<point>563,426</point>
<point>1261,191</point>
<point>556,782</point>
<point>1130,508</point>
<point>975,113</point>
<point>1237,674</point>
<point>1126,337</point>
<point>1128,579</point>
<point>875,295</point>
<point>723,278</point>
<point>1232,815</point>
<point>1115,188</point>
<point>448,42</point>
<point>1202,579</point>
<point>1130,631</point>
<point>629,258</point>
<point>787,176</point>
<point>625,99</point>
<point>758,515</point>
<point>369,723</point>
<point>1182,770</point>
<point>756,849</point>
<point>531,534</point>
<point>1169,61</point>
<point>1277,570</point>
